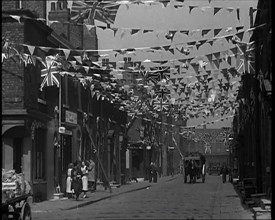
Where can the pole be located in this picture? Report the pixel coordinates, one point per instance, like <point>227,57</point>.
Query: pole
<point>60,156</point>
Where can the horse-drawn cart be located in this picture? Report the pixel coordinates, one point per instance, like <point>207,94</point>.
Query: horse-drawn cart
<point>16,195</point>
<point>194,167</point>
<point>16,208</point>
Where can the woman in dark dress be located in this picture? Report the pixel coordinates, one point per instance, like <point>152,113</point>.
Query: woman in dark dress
<point>77,181</point>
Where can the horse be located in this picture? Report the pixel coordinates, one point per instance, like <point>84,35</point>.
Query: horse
<point>190,168</point>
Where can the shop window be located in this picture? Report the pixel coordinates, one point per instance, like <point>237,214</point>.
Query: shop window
<point>39,154</point>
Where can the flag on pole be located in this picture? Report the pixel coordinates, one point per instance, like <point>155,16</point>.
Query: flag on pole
<point>94,10</point>
<point>48,74</point>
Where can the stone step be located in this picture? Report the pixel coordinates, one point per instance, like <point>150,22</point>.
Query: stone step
<point>58,196</point>
<point>265,204</point>
<point>115,185</point>
<point>262,215</point>
<point>259,212</point>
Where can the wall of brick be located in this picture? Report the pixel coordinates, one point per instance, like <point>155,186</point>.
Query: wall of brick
<point>12,70</point>
<point>38,7</point>
<point>8,5</point>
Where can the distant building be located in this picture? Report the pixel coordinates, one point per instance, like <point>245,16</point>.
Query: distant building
<point>209,142</point>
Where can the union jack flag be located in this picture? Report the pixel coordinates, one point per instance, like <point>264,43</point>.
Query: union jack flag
<point>48,74</point>
<point>94,10</point>
<point>162,101</point>
<point>246,61</point>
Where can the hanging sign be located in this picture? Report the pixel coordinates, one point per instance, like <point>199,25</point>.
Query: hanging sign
<point>70,117</point>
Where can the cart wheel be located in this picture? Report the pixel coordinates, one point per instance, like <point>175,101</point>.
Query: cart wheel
<point>26,212</point>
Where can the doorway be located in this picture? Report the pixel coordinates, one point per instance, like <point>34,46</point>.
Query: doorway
<point>17,155</point>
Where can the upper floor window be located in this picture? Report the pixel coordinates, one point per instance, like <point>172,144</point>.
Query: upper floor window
<point>105,61</point>
<point>127,59</point>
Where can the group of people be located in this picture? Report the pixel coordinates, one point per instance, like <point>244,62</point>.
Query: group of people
<point>80,178</point>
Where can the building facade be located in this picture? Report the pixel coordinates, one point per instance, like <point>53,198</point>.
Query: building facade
<point>28,118</point>
<point>45,130</point>
<point>252,123</point>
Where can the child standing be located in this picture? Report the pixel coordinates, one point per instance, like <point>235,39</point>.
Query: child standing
<point>84,169</point>
<point>69,191</point>
<point>77,182</point>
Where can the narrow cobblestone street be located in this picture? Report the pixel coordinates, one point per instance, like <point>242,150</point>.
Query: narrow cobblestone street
<point>170,198</point>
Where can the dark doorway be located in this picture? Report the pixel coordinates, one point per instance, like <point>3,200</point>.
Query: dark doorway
<point>66,151</point>
<point>137,163</point>
<point>17,155</point>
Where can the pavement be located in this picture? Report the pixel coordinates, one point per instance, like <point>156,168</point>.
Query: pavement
<point>228,205</point>
<point>92,197</point>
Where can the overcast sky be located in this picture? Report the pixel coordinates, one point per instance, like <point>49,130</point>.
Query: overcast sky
<point>161,19</point>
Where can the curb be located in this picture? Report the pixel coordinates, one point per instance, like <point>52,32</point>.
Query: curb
<point>106,197</point>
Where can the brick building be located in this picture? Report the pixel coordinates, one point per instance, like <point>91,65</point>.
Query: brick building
<point>252,123</point>
<point>93,128</point>
<point>28,119</point>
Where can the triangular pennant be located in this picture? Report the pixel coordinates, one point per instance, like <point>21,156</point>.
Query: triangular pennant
<point>217,63</point>
<point>186,32</point>
<point>240,35</point>
<point>217,55</point>
<point>146,31</point>
<point>166,47</point>
<point>31,49</point>
<point>228,38</point>
<point>78,59</point>
<point>205,31</point>
<point>191,7</point>
<point>171,50</point>
<point>86,68</point>
<point>172,33</point>
<point>16,17</point>
<point>210,42</point>
<point>209,57</point>
<point>239,28</point>
<point>229,60</point>
<point>66,53</point>
<point>234,50</point>
<point>134,31</point>
<point>233,72</point>
<point>198,44</point>
<point>89,26</point>
<point>114,30</point>
<point>192,43</point>
<point>217,31</point>
<point>202,42</point>
<point>195,67</point>
<point>216,9</point>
